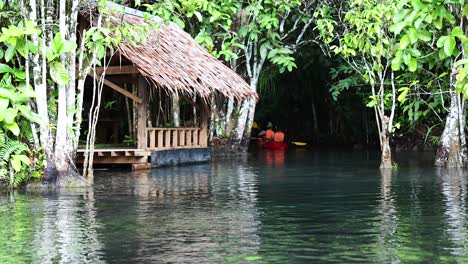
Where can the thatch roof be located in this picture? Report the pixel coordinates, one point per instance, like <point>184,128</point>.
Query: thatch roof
<point>171,59</point>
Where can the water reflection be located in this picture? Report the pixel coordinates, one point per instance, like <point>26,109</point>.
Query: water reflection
<point>453,183</point>
<point>60,228</point>
<point>298,208</point>
<point>183,214</point>
<point>274,158</point>
<point>388,219</point>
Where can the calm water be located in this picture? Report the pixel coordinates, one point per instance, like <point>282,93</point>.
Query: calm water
<point>302,207</point>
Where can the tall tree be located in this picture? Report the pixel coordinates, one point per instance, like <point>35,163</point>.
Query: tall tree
<point>249,36</point>
<point>359,32</point>
<point>437,31</point>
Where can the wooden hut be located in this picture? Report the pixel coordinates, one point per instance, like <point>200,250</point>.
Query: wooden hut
<point>170,61</point>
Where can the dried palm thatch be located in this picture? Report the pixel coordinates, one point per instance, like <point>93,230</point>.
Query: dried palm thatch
<point>171,59</point>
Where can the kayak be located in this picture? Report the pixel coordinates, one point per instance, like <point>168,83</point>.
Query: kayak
<point>275,146</point>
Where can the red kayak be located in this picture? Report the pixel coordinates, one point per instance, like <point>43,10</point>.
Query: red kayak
<point>275,146</point>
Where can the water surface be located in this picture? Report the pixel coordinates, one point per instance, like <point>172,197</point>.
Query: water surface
<point>276,207</point>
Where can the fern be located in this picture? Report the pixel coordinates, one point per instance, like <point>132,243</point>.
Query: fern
<point>20,179</point>
<point>26,132</point>
<point>2,137</point>
<point>12,147</point>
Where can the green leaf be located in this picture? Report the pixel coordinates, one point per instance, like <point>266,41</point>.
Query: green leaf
<point>425,35</point>
<point>3,106</point>
<point>14,128</point>
<point>413,35</point>
<point>372,103</point>
<point>10,115</point>
<point>68,46</point>
<point>24,159</point>
<point>19,74</point>
<point>5,68</point>
<point>264,48</point>
<point>412,64</point>
<point>58,73</point>
<point>398,27</point>
<point>7,94</point>
<point>179,22</point>
<point>199,16</point>
<point>449,46</point>
<point>30,115</point>
<point>15,163</point>
<point>442,54</point>
<point>460,62</point>
<point>457,32</point>
<point>441,41</point>
<point>404,92</point>
<point>396,62</point>
<point>404,42</point>
<point>9,53</point>
<point>57,43</point>
<point>50,54</point>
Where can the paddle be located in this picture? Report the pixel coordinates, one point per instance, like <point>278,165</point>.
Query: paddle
<point>299,144</point>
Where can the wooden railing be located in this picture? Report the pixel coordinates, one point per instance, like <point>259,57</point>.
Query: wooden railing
<point>172,138</point>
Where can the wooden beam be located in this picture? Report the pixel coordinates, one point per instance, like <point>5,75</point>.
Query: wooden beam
<point>114,70</point>
<point>116,160</point>
<point>119,89</point>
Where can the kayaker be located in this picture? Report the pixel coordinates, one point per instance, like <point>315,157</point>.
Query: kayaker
<point>279,136</point>
<point>269,134</point>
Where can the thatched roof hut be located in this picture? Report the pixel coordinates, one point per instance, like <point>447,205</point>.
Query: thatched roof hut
<point>172,60</point>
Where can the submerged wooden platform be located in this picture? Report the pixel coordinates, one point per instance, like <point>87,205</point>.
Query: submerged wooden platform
<point>152,140</point>
<point>116,156</point>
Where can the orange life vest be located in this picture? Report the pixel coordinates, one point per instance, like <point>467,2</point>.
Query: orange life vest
<point>279,137</point>
<point>269,134</point>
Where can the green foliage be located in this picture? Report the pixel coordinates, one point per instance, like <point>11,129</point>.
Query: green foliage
<point>129,141</point>
<point>227,28</point>
<point>17,160</point>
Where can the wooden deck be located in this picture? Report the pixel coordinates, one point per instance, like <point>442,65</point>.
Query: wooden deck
<point>156,139</point>
<point>116,156</point>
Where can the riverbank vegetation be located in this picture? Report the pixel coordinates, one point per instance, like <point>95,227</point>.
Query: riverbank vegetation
<point>364,71</point>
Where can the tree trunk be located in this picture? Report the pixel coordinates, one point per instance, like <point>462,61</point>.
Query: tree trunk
<point>452,147</point>
<point>244,123</point>
<point>386,158</point>
<point>229,122</point>
<point>248,126</point>
<point>67,174</point>
<point>40,88</point>
<point>175,110</point>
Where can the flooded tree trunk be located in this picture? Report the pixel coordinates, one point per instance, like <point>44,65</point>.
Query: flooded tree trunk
<point>386,158</point>
<point>67,174</point>
<point>245,121</point>
<point>176,110</point>
<point>385,122</point>
<point>40,87</point>
<point>452,147</point>
<point>229,122</point>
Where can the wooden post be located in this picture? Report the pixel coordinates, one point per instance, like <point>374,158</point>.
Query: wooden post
<point>160,138</point>
<point>142,87</point>
<point>182,138</point>
<point>167,138</point>
<point>195,137</point>
<point>152,135</point>
<point>175,138</point>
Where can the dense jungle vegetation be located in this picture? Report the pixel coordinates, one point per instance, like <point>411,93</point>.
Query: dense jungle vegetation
<point>365,72</point>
